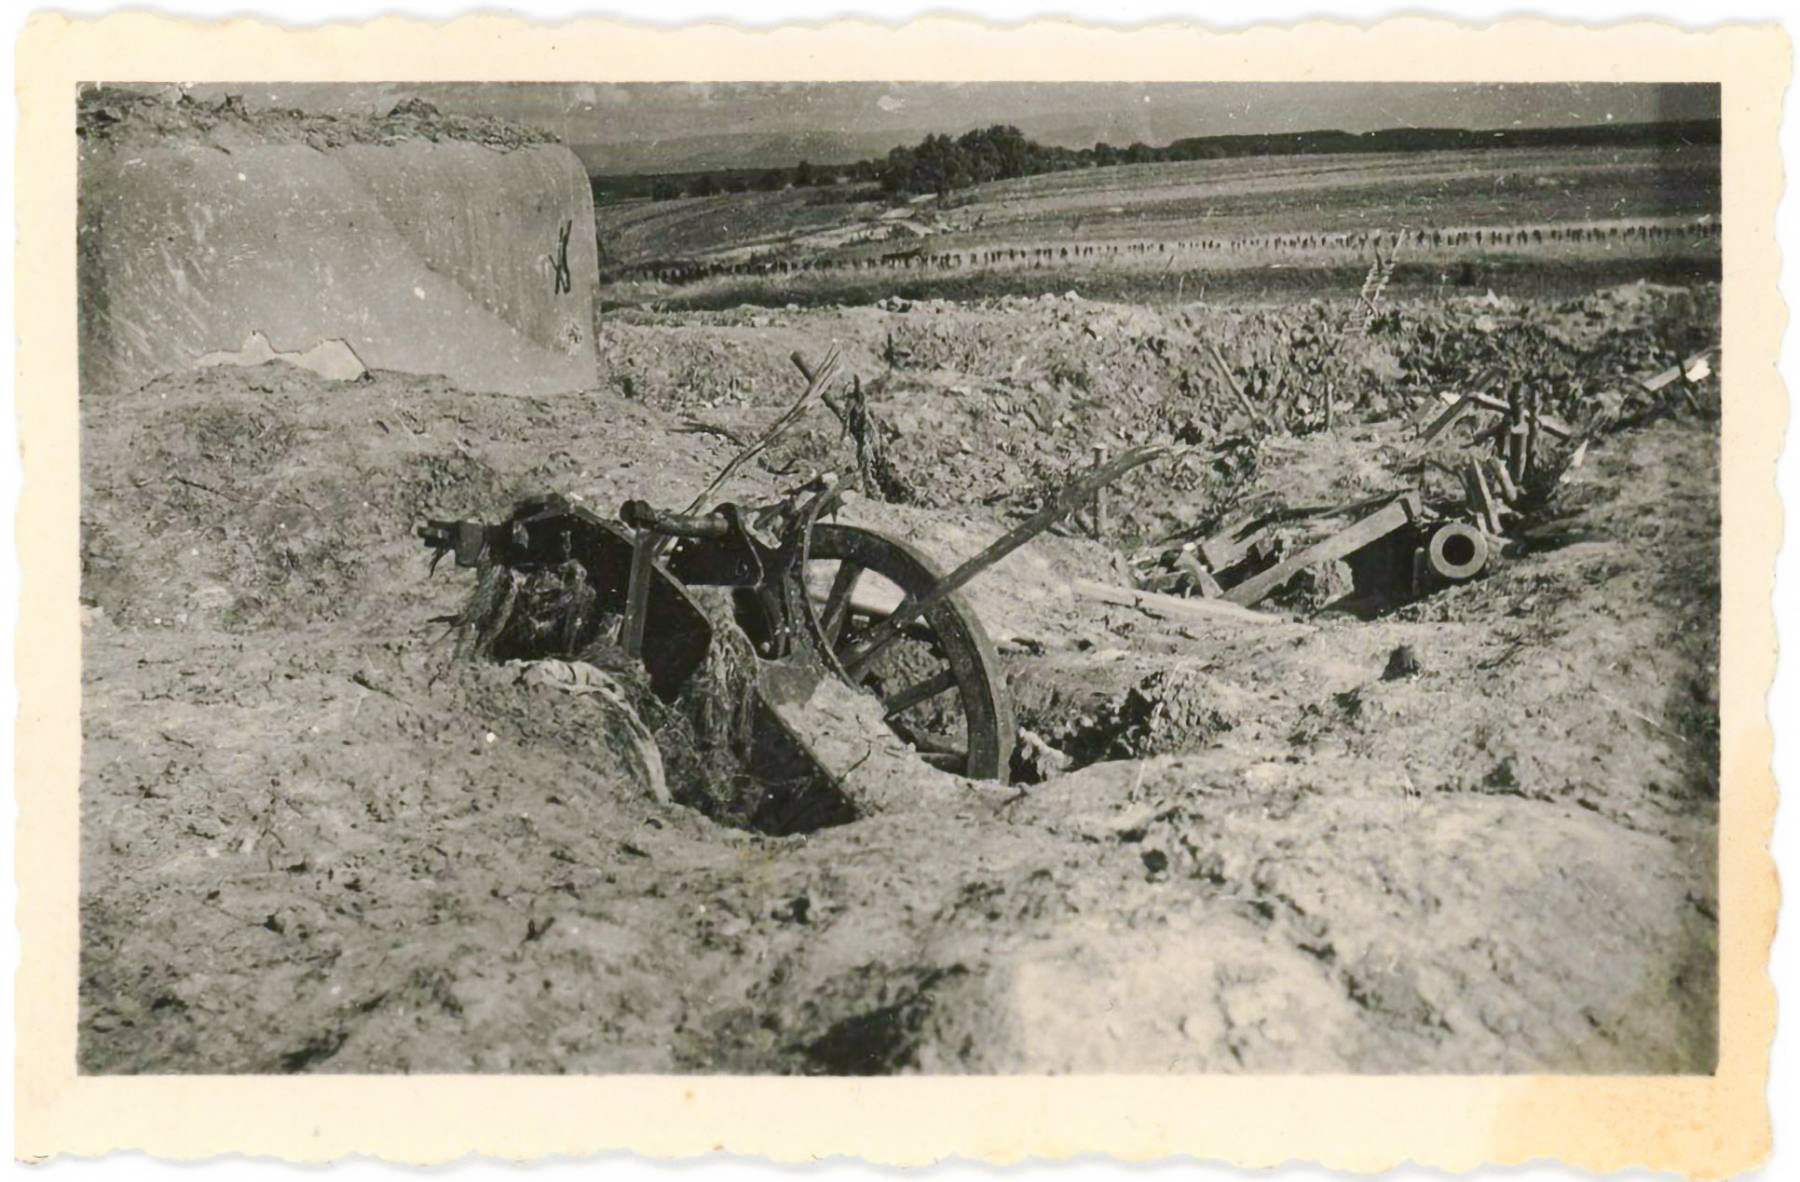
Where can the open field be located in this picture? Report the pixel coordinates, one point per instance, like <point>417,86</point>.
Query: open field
<point>1531,222</point>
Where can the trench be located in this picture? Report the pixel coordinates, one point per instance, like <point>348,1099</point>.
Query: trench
<point>724,753</point>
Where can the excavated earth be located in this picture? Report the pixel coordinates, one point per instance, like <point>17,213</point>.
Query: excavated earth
<point>313,841</point>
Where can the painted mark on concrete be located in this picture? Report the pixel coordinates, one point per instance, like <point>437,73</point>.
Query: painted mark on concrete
<point>559,262</point>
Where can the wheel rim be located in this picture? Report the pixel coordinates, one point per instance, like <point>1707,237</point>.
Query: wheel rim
<point>940,683</point>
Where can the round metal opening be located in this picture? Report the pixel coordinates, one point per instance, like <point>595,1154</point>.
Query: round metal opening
<point>1458,552</point>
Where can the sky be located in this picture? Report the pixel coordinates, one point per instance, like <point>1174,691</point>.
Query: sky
<point>647,127</point>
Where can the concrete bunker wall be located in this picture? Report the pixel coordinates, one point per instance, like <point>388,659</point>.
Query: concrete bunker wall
<point>432,258</point>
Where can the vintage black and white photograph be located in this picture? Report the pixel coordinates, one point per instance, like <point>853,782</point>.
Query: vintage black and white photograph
<point>877,578</point>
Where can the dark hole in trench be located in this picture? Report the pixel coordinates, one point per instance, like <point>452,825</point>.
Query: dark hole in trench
<point>1458,550</point>
<point>1083,725</point>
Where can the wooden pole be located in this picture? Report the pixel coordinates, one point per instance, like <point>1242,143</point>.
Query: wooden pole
<point>1347,541</point>
<point>1514,420</point>
<point>1508,489</point>
<point>1067,499</point>
<point>1218,360</point>
<point>1533,425</point>
<point>1488,511</point>
<point>1100,505</point>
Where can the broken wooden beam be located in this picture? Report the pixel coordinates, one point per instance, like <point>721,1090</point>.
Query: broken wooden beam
<point>1653,384</point>
<point>1477,400</point>
<point>1396,514</point>
<point>1256,417</point>
<point>1534,425</point>
<point>1484,503</point>
<point>1174,606</point>
<point>1442,424</point>
<point>1186,562</point>
<point>1099,507</point>
<point>1225,550</point>
<point>1552,424</point>
<point>1508,490</point>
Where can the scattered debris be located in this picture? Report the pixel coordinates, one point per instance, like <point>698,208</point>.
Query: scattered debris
<point>1505,457</point>
<point>1035,760</point>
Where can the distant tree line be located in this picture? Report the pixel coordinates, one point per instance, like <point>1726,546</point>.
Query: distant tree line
<point>941,164</point>
<point>938,163</point>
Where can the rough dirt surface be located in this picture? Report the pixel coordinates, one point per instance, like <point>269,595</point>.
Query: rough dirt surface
<point>314,842</point>
<point>991,404</point>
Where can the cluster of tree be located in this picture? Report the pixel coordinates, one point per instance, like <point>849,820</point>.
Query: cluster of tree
<point>942,163</point>
<point>938,163</point>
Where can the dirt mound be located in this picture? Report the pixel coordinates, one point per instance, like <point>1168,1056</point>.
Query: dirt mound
<point>982,411</point>
<point>266,498</point>
<point>1582,355</point>
<point>1325,920</point>
<point>454,257</point>
<point>987,406</point>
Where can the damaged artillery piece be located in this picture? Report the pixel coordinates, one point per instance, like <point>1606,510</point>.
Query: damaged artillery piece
<point>772,561</point>
<point>1403,541</point>
<point>799,589</point>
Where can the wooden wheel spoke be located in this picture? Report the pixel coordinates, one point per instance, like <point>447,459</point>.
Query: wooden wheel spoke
<point>912,695</point>
<point>947,761</point>
<point>969,734</point>
<point>927,743</point>
<point>837,600</point>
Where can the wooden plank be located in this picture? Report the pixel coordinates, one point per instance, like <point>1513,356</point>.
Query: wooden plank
<point>1448,419</point>
<point>1512,444</point>
<point>1653,384</point>
<point>644,545</point>
<point>1428,408</point>
<point>1508,489</point>
<point>1485,497</point>
<point>1243,399</point>
<point>1227,546</point>
<point>1202,578</point>
<point>1373,528</point>
<point>1552,424</point>
<point>1535,423</point>
<point>1223,552</point>
<point>1174,606</point>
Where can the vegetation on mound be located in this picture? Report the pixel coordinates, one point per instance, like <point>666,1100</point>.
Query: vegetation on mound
<point>120,115</point>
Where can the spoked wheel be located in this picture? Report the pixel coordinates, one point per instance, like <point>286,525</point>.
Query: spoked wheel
<point>938,678</point>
